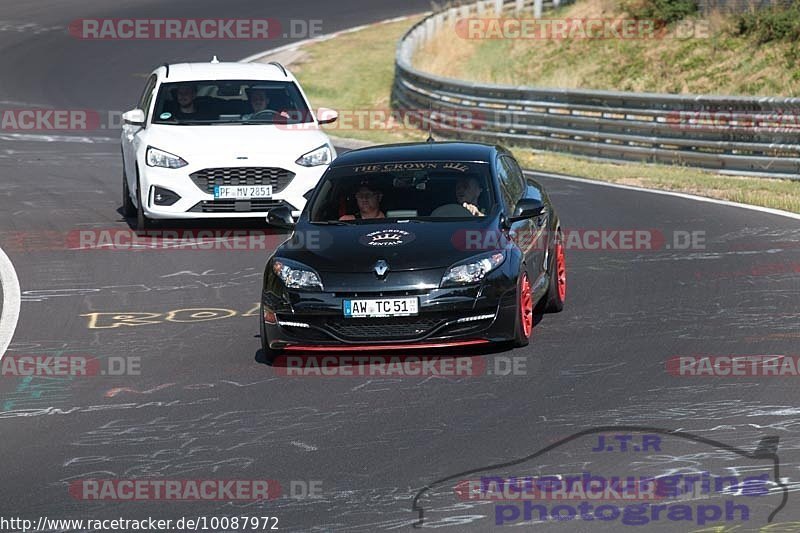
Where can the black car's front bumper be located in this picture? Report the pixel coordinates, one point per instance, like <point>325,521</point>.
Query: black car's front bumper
<point>474,314</point>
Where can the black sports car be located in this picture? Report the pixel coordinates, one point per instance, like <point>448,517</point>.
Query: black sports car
<point>414,245</point>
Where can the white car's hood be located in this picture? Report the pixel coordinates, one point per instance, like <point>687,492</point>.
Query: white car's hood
<point>235,142</point>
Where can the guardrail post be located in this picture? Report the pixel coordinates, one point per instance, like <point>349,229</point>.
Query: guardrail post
<point>498,7</point>
<point>537,9</point>
<point>556,3</point>
<point>519,6</point>
<point>428,30</point>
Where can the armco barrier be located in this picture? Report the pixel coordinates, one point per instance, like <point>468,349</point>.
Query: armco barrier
<point>730,134</point>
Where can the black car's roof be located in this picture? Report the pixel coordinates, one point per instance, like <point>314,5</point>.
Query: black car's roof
<point>423,151</point>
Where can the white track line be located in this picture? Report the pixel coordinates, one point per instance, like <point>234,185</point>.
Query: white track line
<point>687,196</point>
<point>11,298</point>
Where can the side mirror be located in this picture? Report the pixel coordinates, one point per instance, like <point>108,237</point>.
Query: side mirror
<point>527,208</point>
<point>280,217</point>
<point>326,115</point>
<point>134,116</point>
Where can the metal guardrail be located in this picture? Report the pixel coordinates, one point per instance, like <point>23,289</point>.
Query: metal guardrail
<point>730,134</point>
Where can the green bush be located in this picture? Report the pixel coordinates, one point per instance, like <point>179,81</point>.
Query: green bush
<point>663,11</point>
<point>777,23</point>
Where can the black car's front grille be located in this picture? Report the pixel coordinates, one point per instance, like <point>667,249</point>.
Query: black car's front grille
<point>235,206</point>
<point>383,328</point>
<point>207,178</point>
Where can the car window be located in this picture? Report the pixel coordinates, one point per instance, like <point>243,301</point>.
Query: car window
<point>147,94</point>
<point>511,181</point>
<point>231,102</point>
<point>505,193</point>
<point>425,190</point>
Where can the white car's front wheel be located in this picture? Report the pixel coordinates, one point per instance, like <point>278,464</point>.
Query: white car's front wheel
<point>128,209</point>
<point>142,222</point>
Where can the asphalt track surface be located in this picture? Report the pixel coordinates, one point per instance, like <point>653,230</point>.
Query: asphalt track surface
<point>205,406</point>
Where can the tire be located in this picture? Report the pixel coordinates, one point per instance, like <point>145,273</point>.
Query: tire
<point>142,222</point>
<point>128,209</point>
<point>557,290</point>
<point>524,320</point>
<point>264,342</point>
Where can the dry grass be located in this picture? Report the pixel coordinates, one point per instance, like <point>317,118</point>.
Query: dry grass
<point>714,62</point>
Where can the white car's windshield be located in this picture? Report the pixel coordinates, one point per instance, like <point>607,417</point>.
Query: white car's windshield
<point>429,190</point>
<point>230,102</point>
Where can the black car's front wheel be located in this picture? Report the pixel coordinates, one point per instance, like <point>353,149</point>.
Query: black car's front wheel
<point>524,320</point>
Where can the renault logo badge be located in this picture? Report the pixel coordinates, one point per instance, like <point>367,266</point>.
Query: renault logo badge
<point>381,267</point>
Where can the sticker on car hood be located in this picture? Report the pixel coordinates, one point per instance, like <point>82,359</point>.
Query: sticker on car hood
<point>387,237</point>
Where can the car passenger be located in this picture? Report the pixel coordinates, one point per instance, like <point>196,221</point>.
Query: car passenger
<point>369,203</point>
<point>185,96</point>
<point>259,101</point>
<point>468,190</point>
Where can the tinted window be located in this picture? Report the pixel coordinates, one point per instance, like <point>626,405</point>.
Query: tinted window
<point>512,180</point>
<point>147,94</point>
<point>407,190</point>
<point>231,101</point>
<point>503,178</point>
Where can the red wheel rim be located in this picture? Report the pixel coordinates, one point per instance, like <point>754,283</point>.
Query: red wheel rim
<point>526,306</point>
<point>561,272</point>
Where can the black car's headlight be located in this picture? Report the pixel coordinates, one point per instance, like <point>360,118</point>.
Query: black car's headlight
<point>296,275</point>
<point>473,269</point>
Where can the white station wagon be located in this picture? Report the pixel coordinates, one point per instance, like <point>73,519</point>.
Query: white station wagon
<point>221,140</point>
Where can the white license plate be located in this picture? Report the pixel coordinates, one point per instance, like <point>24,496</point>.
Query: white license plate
<point>242,192</point>
<point>381,307</point>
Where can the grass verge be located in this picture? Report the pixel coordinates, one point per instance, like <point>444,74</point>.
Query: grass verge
<point>354,72</point>
<point>714,54</point>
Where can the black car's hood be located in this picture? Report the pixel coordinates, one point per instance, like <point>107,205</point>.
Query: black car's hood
<point>404,246</point>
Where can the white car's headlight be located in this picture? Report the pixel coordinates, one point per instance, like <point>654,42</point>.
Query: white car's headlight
<point>296,275</point>
<point>472,270</point>
<point>160,158</point>
<point>318,156</point>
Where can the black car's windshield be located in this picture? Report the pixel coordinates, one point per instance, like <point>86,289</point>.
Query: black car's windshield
<point>230,102</point>
<point>425,190</point>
